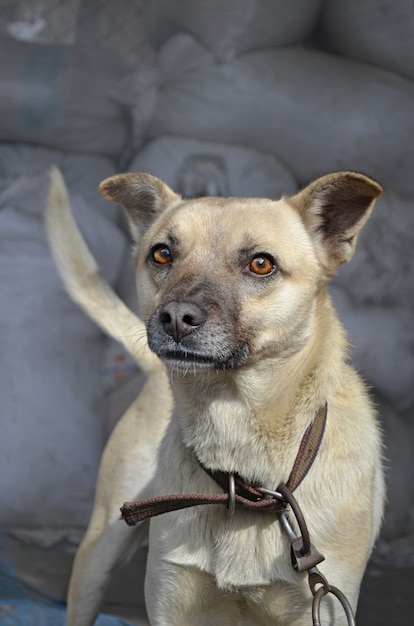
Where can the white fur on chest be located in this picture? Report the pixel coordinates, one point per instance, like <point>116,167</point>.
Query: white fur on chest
<point>246,549</point>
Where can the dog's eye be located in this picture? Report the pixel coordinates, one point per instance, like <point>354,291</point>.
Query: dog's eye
<point>161,254</point>
<point>262,265</point>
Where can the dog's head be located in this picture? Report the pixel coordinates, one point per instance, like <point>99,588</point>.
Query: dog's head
<point>223,281</point>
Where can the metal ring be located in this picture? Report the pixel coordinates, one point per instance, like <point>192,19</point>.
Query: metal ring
<point>287,526</point>
<point>268,492</point>
<point>232,495</point>
<point>290,499</point>
<point>345,605</point>
<point>316,605</point>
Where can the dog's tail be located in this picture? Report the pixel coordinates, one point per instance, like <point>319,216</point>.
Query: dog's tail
<point>83,281</point>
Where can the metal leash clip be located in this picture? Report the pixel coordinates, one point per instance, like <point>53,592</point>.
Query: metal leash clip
<point>305,557</point>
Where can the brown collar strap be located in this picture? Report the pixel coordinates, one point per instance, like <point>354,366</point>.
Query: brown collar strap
<point>308,448</point>
<point>245,495</point>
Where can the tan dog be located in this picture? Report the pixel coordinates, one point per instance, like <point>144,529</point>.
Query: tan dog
<point>233,293</point>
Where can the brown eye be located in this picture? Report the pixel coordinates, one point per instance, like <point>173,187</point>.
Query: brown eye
<point>262,265</point>
<point>161,254</point>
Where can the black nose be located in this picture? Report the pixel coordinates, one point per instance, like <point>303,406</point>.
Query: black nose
<point>179,319</point>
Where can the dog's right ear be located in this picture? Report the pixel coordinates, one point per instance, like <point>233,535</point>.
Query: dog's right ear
<point>143,196</point>
<point>334,208</point>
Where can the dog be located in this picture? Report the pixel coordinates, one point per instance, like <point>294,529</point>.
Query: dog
<point>241,346</point>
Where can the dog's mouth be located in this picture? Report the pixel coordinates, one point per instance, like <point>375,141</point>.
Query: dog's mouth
<point>185,360</point>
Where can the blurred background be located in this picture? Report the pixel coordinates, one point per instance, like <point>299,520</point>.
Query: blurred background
<point>226,97</point>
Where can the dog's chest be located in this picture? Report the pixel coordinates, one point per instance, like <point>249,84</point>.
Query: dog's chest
<point>244,549</point>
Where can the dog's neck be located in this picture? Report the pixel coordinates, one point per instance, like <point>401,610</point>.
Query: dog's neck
<point>269,403</point>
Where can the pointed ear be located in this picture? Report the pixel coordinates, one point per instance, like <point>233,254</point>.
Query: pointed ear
<point>334,208</point>
<point>143,196</point>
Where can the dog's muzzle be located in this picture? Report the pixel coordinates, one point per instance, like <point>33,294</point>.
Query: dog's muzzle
<point>184,335</point>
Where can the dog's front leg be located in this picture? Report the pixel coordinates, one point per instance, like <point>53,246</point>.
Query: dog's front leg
<point>126,473</point>
<point>97,557</point>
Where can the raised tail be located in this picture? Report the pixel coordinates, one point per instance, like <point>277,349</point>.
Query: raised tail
<point>83,281</point>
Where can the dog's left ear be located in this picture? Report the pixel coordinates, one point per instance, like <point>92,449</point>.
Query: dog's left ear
<point>143,197</point>
<point>334,208</point>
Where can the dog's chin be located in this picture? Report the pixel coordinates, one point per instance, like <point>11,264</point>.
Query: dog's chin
<point>191,362</point>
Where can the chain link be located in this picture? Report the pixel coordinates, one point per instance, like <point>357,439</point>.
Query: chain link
<point>320,593</point>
